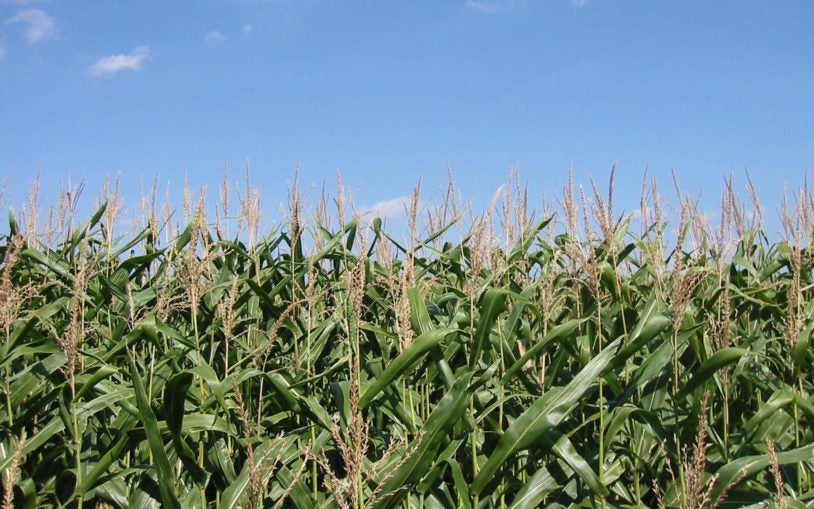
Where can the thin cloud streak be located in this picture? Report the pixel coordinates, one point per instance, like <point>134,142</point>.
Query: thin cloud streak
<point>503,6</point>
<point>118,63</point>
<point>39,25</point>
<point>388,209</point>
<point>215,38</point>
<point>483,6</point>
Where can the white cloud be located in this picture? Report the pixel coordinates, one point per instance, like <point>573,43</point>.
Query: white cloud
<point>39,26</point>
<point>215,38</point>
<point>20,3</point>
<point>497,6</point>
<point>117,63</point>
<point>387,209</point>
<point>247,29</point>
<point>483,6</point>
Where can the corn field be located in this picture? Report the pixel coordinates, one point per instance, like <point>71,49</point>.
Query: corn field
<point>571,358</point>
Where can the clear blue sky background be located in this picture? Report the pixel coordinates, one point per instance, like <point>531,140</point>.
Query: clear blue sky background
<point>390,91</point>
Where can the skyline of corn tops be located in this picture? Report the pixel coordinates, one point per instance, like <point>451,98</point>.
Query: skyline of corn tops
<point>587,211</point>
<point>571,356</point>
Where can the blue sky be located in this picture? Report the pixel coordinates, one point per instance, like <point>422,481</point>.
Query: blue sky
<point>387,92</point>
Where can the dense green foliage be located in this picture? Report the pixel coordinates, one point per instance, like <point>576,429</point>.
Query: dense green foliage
<point>339,367</point>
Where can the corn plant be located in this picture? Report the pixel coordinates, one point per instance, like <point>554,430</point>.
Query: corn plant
<point>505,360</point>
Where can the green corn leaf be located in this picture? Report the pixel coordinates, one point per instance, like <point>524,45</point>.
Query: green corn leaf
<point>744,468</point>
<point>543,415</point>
<point>147,417</point>
<point>492,304</point>
<point>175,394</point>
<point>406,360</point>
<point>559,332</point>
<point>565,449</point>
<point>533,493</point>
<point>235,494</point>
<point>448,411</point>
<point>719,360</point>
<point>418,311</point>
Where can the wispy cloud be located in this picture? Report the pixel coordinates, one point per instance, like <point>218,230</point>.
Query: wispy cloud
<point>2,51</point>
<point>215,38</point>
<point>118,63</point>
<point>20,3</point>
<point>501,6</point>
<point>387,209</point>
<point>485,6</point>
<point>247,29</point>
<point>39,26</point>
